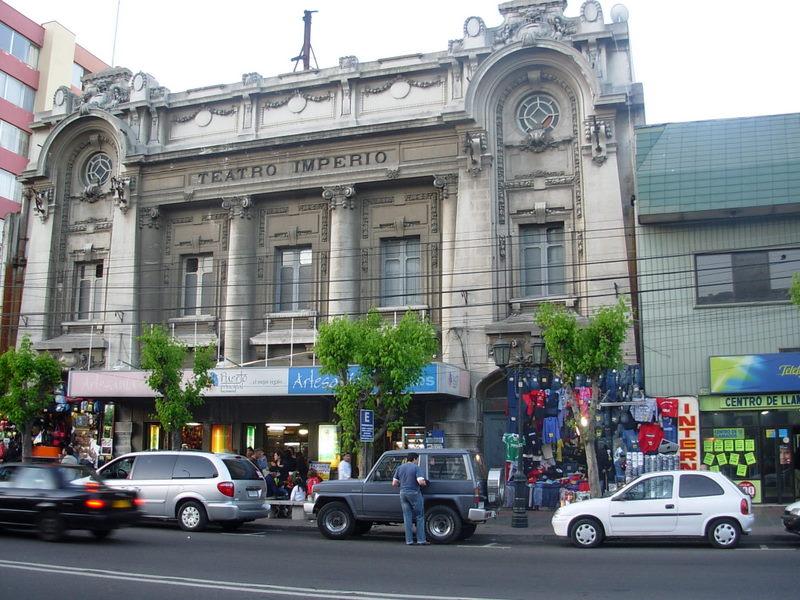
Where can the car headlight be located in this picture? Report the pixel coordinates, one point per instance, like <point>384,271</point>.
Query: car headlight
<point>314,497</point>
<point>795,511</point>
<point>557,513</point>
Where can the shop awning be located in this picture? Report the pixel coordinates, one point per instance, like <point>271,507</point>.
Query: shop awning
<point>437,379</point>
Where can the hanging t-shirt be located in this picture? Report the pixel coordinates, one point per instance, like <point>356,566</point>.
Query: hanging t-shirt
<point>668,407</point>
<point>670,430</point>
<point>650,436</point>
<point>644,411</point>
<point>513,445</point>
<point>551,432</point>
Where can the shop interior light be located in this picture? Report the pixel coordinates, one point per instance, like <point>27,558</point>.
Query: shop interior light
<point>193,424</point>
<point>584,421</point>
<point>282,425</point>
<point>764,412</point>
<point>275,427</point>
<point>303,431</point>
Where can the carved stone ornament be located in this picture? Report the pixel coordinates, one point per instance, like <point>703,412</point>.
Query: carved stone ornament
<point>592,11</point>
<point>401,86</point>
<point>447,183</point>
<point>119,188</point>
<point>392,173</point>
<point>475,148</point>
<point>203,115</point>
<point>150,218</point>
<point>40,201</point>
<point>597,133</point>
<point>238,206</point>
<point>297,100</point>
<point>348,62</point>
<point>105,89</point>
<point>534,20</point>
<point>249,79</point>
<point>339,196</point>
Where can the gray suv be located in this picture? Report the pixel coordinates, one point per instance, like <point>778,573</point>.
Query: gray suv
<point>192,487</point>
<point>455,497</point>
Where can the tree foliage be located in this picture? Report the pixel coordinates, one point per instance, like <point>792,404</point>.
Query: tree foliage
<point>794,291</point>
<point>390,360</point>
<point>589,349</point>
<point>164,357</point>
<point>27,384</point>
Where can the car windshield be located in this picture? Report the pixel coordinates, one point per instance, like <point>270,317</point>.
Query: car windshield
<point>479,466</point>
<point>77,474</point>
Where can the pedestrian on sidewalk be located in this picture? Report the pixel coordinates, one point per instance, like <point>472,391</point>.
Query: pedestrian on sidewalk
<point>345,468</point>
<point>409,478</point>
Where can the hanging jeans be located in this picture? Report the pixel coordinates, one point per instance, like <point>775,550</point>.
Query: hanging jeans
<point>413,511</point>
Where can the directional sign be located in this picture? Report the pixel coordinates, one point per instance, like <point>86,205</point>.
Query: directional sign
<point>366,425</point>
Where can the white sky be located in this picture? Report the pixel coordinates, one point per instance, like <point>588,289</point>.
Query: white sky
<point>697,59</point>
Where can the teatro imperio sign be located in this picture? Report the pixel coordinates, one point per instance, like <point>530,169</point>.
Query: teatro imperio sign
<point>292,167</point>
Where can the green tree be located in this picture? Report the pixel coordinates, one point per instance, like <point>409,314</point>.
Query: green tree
<point>794,291</point>
<point>589,350</point>
<point>390,360</point>
<point>27,383</point>
<point>164,357</point>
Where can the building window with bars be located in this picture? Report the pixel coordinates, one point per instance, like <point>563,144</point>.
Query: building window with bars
<point>401,272</point>
<point>295,279</point>
<point>89,291</point>
<point>730,277</point>
<point>542,260</point>
<point>198,285</point>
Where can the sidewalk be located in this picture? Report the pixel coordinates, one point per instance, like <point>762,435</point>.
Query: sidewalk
<point>767,525</point>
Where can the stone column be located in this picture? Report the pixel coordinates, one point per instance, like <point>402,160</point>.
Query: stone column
<point>449,185</point>
<point>343,285</point>
<point>238,316</point>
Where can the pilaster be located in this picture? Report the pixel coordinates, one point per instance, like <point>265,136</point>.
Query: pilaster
<point>343,296</point>
<point>241,275</point>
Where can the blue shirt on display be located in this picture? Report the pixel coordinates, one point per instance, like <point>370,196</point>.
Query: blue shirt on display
<point>407,475</point>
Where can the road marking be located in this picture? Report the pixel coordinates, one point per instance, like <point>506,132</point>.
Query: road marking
<point>764,547</point>
<point>489,545</point>
<point>228,586</point>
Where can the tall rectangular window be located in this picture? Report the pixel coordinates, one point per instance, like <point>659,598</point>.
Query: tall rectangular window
<point>9,186</point>
<point>89,291</point>
<point>295,279</point>
<point>198,285</point>
<point>758,276</point>
<point>401,272</point>
<point>542,260</point>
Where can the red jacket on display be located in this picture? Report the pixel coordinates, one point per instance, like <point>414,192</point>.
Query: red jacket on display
<point>650,436</point>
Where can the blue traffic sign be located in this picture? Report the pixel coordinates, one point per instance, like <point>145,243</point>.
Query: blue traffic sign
<point>366,425</point>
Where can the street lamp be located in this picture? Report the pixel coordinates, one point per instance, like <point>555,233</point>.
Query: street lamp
<point>501,351</point>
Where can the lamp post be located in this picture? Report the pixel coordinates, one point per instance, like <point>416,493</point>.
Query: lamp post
<point>501,351</point>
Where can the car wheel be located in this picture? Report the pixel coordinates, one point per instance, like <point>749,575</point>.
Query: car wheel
<point>586,533</point>
<point>362,527</point>
<point>467,531</point>
<point>442,524</point>
<point>192,516</point>
<point>335,521</point>
<point>51,527</point>
<point>101,534</point>
<point>231,525</point>
<point>724,533</point>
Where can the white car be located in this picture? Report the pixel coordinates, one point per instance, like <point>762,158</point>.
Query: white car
<point>662,504</point>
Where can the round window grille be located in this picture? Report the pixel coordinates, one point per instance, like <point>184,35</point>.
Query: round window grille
<point>98,168</point>
<point>537,112</point>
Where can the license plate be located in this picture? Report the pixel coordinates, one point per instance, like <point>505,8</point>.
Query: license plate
<point>480,504</point>
<point>252,494</point>
<point>121,504</point>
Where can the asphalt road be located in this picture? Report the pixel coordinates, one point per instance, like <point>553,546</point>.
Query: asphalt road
<point>160,561</point>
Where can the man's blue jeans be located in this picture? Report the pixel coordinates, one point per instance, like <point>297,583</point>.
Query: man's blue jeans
<point>413,508</point>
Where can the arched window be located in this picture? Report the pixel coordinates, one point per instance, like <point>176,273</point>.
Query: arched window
<point>537,111</point>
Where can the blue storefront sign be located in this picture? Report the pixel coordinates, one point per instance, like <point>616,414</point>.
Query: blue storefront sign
<point>753,373</point>
<point>309,380</point>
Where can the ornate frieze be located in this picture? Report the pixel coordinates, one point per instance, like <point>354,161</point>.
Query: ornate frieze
<point>297,101</point>
<point>401,85</point>
<point>203,115</point>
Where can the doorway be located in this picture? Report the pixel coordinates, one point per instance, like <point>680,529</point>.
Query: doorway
<point>494,426</point>
<point>781,464</point>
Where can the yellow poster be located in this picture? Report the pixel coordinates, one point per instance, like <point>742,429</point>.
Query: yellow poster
<point>733,459</point>
<point>741,471</point>
<point>728,445</point>
<point>738,445</point>
<point>719,446</point>
<point>750,458</point>
<point>722,459</point>
<point>708,445</point>
<point>749,445</point>
<point>708,459</point>
<point>715,468</point>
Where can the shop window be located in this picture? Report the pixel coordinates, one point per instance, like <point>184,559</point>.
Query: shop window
<point>653,488</point>
<point>153,440</point>
<point>198,285</point>
<point>697,486</point>
<point>401,272</point>
<point>192,436</point>
<point>446,467</point>
<point>745,276</point>
<point>14,139</point>
<point>89,291</point>
<point>220,438</point>
<point>295,279</point>
<point>542,260</point>
<point>386,468</point>
<point>154,466</point>
<point>193,467</point>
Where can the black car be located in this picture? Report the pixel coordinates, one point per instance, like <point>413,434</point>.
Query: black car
<point>54,498</point>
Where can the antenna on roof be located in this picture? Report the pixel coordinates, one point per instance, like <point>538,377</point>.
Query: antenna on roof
<point>307,52</point>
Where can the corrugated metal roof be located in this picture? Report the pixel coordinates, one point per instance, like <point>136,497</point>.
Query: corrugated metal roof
<point>720,165</point>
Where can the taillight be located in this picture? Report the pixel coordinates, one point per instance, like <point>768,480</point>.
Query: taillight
<point>92,486</point>
<point>94,503</point>
<point>476,498</point>
<point>744,506</point>
<point>226,488</point>
<point>138,502</point>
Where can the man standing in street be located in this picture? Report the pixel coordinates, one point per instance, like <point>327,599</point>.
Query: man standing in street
<point>345,468</point>
<point>408,477</point>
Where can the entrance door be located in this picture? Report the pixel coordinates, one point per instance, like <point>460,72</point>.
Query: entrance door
<point>494,426</point>
<point>781,446</point>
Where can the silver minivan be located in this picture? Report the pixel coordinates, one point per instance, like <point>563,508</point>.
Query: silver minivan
<point>193,487</point>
